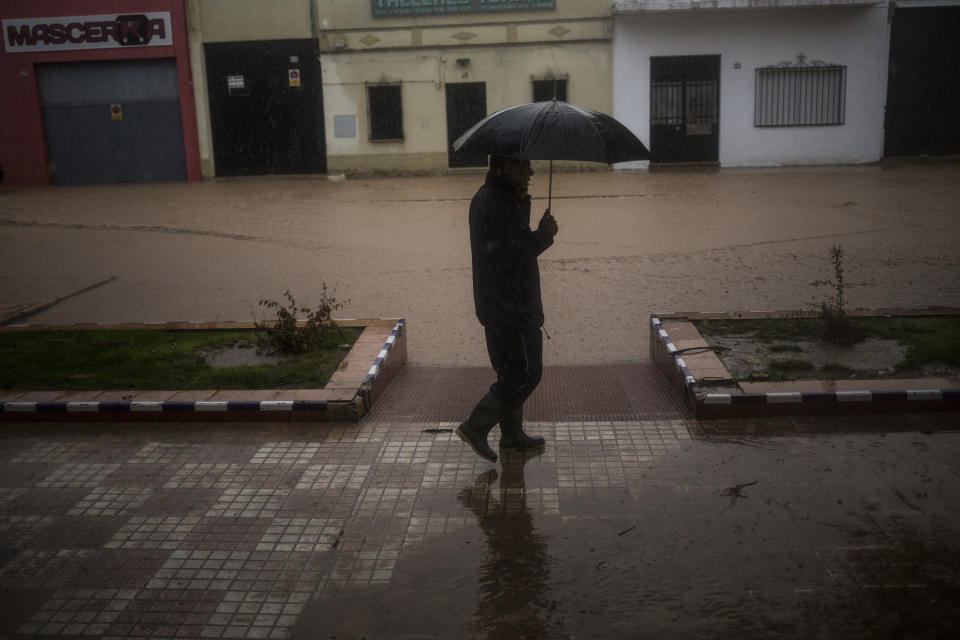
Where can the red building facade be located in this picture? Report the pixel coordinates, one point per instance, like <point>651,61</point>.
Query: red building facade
<point>96,91</point>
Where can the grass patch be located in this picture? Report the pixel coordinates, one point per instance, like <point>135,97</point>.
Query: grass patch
<point>835,371</point>
<point>790,366</point>
<point>152,359</point>
<point>764,330</point>
<point>785,348</point>
<point>929,341</point>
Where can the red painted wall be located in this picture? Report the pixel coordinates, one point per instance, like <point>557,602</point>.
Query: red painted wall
<point>23,152</point>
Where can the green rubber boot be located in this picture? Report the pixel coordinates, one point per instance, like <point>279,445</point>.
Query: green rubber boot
<point>483,418</point>
<point>512,435</point>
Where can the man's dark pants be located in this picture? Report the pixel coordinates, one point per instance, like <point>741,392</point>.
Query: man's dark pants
<point>517,356</point>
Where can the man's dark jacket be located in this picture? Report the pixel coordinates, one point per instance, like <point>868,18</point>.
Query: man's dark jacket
<point>506,277</point>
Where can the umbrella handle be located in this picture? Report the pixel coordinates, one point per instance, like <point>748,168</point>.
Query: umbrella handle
<point>550,186</point>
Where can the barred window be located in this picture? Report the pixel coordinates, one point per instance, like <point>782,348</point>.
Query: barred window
<point>801,95</point>
<point>544,90</point>
<point>386,112</point>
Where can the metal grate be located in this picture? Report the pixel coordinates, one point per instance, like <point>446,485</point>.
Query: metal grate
<point>800,96</point>
<point>549,89</point>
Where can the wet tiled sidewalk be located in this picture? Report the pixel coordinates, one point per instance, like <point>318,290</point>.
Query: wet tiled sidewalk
<point>634,522</point>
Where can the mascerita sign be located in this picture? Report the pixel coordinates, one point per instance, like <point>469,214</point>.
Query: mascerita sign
<point>87,32</point>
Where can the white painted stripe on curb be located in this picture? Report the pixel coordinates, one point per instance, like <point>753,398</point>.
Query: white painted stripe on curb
<point>20,406</point>
<point>276,405</point>
<point>924,394</point>
<point>717,398</point>
<point>786,397</point>
<point>146,405</point>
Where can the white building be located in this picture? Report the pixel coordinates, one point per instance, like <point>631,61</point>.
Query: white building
<point>753,82</point>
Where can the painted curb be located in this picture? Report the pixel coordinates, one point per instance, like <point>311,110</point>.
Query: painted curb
<point>707,405</point>
<point>339,410</point>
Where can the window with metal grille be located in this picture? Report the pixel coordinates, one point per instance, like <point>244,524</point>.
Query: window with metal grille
<point>544,90</point>
<point>800,96</point>
<point>386,112</point>
<point>690,102</point>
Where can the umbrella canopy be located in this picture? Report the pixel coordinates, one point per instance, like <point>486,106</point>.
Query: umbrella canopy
<point>553,130</point>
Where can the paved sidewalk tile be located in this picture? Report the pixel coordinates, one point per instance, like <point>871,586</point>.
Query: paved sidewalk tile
<point>653,526</point>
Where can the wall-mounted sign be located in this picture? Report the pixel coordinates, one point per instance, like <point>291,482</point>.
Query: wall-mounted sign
<point>393,8</point>
<point>87,32</point>
<point>294,77</point>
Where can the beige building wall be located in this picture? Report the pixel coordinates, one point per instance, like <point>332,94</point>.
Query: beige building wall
<point>241,20</point>
<point>506,51</point>
<point>507,72</point>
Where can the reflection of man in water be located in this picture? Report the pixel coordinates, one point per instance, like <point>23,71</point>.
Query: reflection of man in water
<point>506,291</point>
<point>515,576</point>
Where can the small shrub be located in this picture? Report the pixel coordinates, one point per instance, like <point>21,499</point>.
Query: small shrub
<point>286,334</point>
<point>833,323</point>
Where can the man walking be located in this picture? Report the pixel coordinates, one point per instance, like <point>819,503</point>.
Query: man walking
<point>506,291</point>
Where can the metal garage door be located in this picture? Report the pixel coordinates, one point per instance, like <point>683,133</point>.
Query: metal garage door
<point>112,121</point>
<point>266,107</point>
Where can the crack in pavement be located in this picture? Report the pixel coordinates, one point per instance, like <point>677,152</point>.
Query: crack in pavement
<point>115,227</point>
<point>706,250</point>
<point>7,222</point>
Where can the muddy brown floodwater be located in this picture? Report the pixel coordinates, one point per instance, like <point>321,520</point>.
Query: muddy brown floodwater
<point>629,244</point>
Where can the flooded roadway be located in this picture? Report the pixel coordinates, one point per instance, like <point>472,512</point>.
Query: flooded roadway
<point>629,245</point>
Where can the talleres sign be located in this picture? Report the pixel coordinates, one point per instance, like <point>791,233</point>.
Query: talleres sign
<point>389,8</point>
<point>87,32</point>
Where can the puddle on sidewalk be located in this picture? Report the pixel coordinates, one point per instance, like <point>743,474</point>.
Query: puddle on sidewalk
<point>842,536</point>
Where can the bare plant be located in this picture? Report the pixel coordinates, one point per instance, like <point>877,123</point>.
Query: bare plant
<point>287,333</point>
<point>834,325</point>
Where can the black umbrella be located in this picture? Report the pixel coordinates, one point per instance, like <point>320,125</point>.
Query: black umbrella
<point>553,130</point>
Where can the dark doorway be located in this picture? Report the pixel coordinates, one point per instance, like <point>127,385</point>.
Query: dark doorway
<point>112,121</point>
<point>685,109</point>
<point>466,105</point>
<point>923,92</point>
<point>266,107</point>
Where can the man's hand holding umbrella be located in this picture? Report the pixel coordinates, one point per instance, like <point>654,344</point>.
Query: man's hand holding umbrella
<point>548,223</point>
